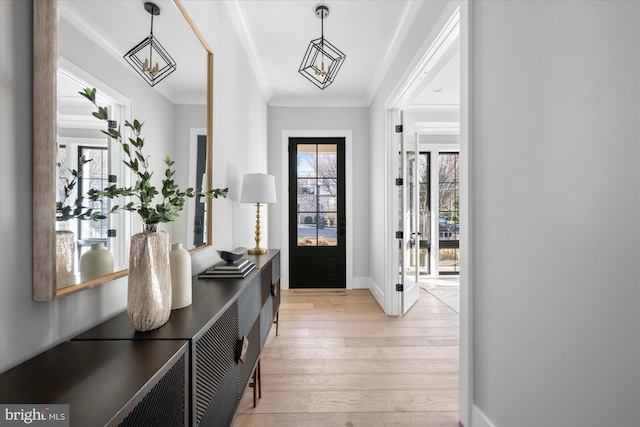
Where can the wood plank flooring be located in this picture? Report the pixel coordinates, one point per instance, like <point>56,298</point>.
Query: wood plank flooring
<point>340,361</point>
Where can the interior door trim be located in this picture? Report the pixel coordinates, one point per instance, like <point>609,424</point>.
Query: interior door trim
<point>352,282</point>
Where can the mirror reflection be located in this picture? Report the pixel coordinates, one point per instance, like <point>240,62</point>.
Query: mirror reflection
<point>86,160</point>
<point>92,37</point>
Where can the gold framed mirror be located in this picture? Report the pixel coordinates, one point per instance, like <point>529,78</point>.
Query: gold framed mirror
<point>46,141</point>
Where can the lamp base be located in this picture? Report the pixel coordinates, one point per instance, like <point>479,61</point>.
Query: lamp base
<point>257,250</point>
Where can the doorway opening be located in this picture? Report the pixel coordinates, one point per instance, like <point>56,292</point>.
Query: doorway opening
<point>424,118</point>
<point>441,120</point>
<point>428,206</point>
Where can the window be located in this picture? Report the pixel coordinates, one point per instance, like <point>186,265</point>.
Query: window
<point>317,195</point>
<point>449,215</point>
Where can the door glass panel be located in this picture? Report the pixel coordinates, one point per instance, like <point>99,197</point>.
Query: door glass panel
<point>328,187</point>
<point>317,191</point>
<point>94,176</point>
<point>410,224</point>
<point>306,161</point>
<point>306,203</point>
<point>327,203</point>
<point>307,230</point>
<point>449,218</point>
<point>306,186</point>
<point>411,234</point>
<point>328,160</point>
<point>449,260</point>
<point>327,229</point>
<point>424,220</point>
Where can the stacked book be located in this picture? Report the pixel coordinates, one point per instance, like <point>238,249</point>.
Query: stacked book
<point>224,270</point>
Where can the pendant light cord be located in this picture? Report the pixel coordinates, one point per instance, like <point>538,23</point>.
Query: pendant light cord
<point>322,30</point>
<point>322,37</point>
<point>151,44</point>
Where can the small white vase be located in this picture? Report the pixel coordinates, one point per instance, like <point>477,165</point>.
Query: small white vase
<point>96,262</point>
<point>180,261</point>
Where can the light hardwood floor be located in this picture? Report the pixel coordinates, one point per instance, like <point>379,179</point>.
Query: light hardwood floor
<point>340,361</point>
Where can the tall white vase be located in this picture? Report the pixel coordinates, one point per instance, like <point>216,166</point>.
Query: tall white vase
<point>149,290</point>
<point>180,261</point>
<point>96,262</point>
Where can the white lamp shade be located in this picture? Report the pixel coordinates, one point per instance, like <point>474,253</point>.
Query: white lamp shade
<point>258,188</point>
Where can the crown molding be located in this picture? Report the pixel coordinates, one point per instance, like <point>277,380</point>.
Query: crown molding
<point>407,17</point>
<point>434,108</point>
<point>238,19</point>
<point>310,101</point>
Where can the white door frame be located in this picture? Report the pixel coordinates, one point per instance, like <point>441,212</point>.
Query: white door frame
<point>348,176</point>
<point>457,10</point>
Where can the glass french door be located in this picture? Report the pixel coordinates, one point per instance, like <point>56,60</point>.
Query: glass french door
<point>317,220</point>
<point>411,235</point>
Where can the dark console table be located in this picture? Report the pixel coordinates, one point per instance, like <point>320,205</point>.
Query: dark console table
<point>106,383</point>
<point>219,337</point>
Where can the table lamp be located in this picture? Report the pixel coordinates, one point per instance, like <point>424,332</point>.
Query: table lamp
<point>258,188</point>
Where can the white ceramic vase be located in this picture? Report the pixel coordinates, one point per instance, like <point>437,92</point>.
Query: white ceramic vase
<point>96,262</point>
<point>180,261</point>
<point>149,283</point>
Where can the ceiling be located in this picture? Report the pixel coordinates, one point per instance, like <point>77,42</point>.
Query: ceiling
<point>275,35</point>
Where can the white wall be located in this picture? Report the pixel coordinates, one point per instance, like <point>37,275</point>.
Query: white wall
<point>557,206</point>
<point>239,128</point>
<point>28,327</point>
<point>307,119</point>
<point>186,118</point>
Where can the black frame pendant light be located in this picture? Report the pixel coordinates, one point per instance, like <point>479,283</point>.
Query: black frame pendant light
<point>322,60</point>
<point>148,57</point>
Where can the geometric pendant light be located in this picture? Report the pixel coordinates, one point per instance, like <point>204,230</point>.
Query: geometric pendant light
<point>148,57</point>
<point>322,60</point>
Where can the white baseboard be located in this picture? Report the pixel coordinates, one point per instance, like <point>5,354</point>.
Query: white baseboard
<point>478,418</point>
<point>361,283</point>
<point>377,293</point>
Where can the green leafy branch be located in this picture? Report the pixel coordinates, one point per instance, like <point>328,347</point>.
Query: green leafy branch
<point>144,193</point>
<point>66,212</point>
